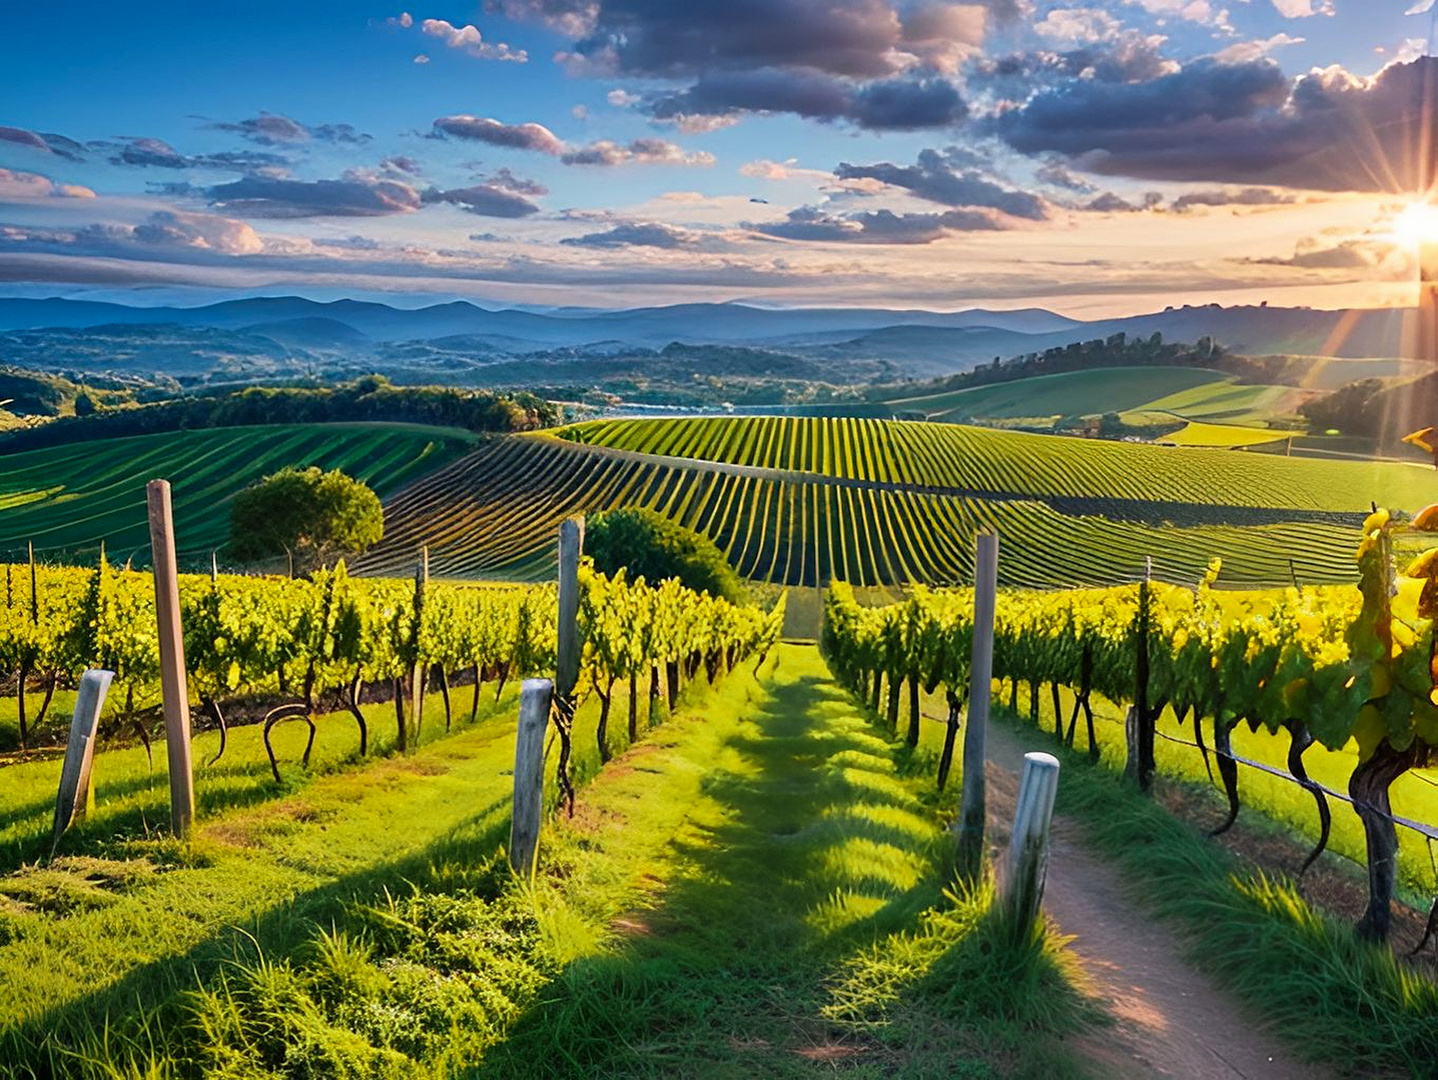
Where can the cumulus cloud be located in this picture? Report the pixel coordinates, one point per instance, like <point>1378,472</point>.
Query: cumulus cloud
<point>622,99</point>
<point>906,103</point>
<point>15,184</point>
<point>1071,26</point>
<point>486,200</point>
<point>46,143</point>
<point>504,178</point>
<point>1302,9</point>
<point>1244,123</point>
<point>274,129</point>
<point>1056,174</point>
<point>1243,52</point>
<point>1348,255</point>
<point>354,195</point>
<point>880,64</point>
<point>537,137</point>
<point>648,151</point>
<point>654,234</point>
<point>468,40</point>
<point>875,226</point>
<point>529,136</point>
<point>935,178</point>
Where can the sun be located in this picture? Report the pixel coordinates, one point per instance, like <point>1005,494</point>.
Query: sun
<point>1417,224</point>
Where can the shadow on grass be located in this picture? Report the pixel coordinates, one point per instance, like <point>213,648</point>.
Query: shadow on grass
<point>760,960</point>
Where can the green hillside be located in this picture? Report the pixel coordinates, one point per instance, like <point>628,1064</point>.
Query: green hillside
<point>1074,393</point>
<point>885,502</point>
<point>69,499</point>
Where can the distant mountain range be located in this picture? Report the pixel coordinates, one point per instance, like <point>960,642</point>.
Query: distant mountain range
<point>918,342</point>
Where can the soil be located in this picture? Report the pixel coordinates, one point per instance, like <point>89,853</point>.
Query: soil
<point>1172,1020</point>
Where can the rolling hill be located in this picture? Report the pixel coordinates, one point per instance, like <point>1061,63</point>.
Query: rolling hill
<point>802,501</point>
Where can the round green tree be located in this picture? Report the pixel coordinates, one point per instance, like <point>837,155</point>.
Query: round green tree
<point>312,516</point>
<point>652,546</point>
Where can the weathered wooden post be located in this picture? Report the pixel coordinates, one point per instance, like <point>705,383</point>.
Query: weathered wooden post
<point>419,674</point>
<point>74,799</point>
<point>534,704</point>
<point>566,670</point>
<point>173,685</point>
<point>1022,887</point>
<point>1140,723</point>
<point>981,674</point>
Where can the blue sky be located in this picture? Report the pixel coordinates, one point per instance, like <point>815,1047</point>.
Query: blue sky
<point>1091,157</point>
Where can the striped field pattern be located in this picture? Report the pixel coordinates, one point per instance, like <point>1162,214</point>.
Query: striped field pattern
<point>804,501</point>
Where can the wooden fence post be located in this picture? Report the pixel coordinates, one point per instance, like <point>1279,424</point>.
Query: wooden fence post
<point>571,547</point>
<point>1140,763</point>
<point>73,801</point>
<point>1022,888</point>
<point>566,668</point>
<point>981,673</point>
<point>173,685</point>
<point>534,704</point>
<point>419,674</point>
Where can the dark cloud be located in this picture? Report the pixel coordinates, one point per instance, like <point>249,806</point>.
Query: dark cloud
<point>530,136</point>
<point>1057,174</point>
<point>354,195</point>
<point>1244,123</point>
<point>401,163</point>
<point>934,179</point>
<point>486,200</point>
<point>901,104</point>
<point>273,129</point>
<point>1349,255</point>
<point>1252,196</point>
<point>1109,203</point>
<point>46,143</point>
<point>503,178</point>
<point>144,152</point>
<point>653,234</point>
<point>876,226</point>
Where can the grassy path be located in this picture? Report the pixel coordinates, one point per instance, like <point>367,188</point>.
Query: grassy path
<point>786,932</point>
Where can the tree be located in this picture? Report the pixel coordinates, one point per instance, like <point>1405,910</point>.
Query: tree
<point>84,404</point>
<point>651,546</point>
<point>312,516</point>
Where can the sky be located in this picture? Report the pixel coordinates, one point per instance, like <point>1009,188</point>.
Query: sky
<point>1096,159</point>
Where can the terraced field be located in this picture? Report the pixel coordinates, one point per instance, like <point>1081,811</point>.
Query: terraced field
<point>68,499</point>
<point>877,503</point>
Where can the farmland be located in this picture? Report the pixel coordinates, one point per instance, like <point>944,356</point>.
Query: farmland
<point>804,501</point>
<point>70,499</point>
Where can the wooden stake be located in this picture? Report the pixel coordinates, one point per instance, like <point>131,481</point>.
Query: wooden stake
<point>1022,888</point>
<point>173,685</point>
<point>419,676</point>
<point>571,546</point>
<point>981,674</point>
<point>74,799</point>
<point>534,705</point>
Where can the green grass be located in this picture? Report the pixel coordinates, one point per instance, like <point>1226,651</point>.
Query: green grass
<point>726,903</point>
<point>1224,400</point>
<point>1074,393</point>
<point>68,500</point>
<point>1196,433</point>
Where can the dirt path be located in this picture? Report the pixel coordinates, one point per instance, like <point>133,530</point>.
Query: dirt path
<point>1172,1019</point>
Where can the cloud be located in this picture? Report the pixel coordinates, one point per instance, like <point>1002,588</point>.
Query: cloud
<point>486,200</point>
<point>907,103</point>
<point>1243,52</point>
<point>648,151</point>
<point>529,136</point>
<point>1073,26</point>
<point>354,195</point>
<point>275,129</point>
<point>537,137</point>
<point>1244,123</point>
<point>880,64</point>
<point>653,234</point>
<point>162,234</point>
<point>875,226</point>
<point>934,179</point>
<point>1301,9</point>
<point>421,58</point>
<point>1355,254</point>
<point>401,163</point>
<point>47,143</point>
<point>622,99</point>
<point>1056,174</point>
<point>503,178</point>
<point>1109,203</point>
<point>15,184</point>
<point>146,153</point>
<point>468,40</point>
<point>1244,197</point>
